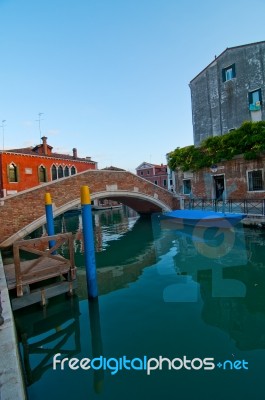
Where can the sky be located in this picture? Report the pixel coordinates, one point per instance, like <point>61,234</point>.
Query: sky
<point>111,77</point>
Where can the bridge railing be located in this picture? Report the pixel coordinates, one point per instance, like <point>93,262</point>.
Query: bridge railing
<point>246,206</point>
<point>48,265</point>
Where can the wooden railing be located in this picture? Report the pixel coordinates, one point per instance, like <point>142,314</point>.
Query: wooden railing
<point>49,264</point>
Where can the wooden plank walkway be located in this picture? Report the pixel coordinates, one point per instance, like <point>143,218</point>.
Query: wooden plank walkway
<point>21,274</point>
<point>45,269</point>
<point>44,293</point>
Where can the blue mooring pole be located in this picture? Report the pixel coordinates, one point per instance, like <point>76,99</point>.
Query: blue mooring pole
<point>89,248</point>
<point>49,218</point>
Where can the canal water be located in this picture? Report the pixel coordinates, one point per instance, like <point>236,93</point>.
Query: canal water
<point>180,315</point>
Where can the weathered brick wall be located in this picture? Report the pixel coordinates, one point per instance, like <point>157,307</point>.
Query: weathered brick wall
<point>235,178</point>
<point>18,211</point>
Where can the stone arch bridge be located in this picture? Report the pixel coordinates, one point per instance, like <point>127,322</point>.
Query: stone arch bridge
<point>22,213</point>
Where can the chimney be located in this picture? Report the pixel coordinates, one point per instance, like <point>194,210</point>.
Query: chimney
<point>74,153</point>
<point>44,145</point>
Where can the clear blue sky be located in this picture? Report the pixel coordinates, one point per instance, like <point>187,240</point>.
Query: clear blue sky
<point>112,76</point>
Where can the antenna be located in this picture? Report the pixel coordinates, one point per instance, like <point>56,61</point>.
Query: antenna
<point>38,120</point>
<point>3,128</point>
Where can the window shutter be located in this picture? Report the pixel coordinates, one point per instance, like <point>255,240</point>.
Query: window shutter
<point>250,98</point>
<point>260,96</point>
<point>17,174</point>
<point>234,70</point>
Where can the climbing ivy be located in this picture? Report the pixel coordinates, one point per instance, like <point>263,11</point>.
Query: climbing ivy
<point>248,140</point>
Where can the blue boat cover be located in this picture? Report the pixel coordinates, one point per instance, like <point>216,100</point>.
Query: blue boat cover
<point>198,214</point>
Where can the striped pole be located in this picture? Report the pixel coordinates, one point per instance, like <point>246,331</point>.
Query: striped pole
<point>89,249</point>
<point>49,218</point>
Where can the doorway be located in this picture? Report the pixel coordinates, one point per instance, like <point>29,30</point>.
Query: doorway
<point>218,186</point>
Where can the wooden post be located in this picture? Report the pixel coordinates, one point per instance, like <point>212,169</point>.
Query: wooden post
<point>18,270</point>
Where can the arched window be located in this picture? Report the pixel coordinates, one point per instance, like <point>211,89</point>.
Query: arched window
<point>60,172</point>
<point>66,171</point>
<point>54,173</point>
<point>73,170</point>
<point>42,174</point>
<point>12,173</point>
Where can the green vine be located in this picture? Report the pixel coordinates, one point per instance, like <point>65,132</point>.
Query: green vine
<point>248,140</point>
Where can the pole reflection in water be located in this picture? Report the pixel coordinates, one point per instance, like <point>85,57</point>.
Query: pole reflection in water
<point>96,341</point>
<point>174,293</point>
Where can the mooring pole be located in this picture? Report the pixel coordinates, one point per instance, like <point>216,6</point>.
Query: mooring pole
<point>89,248</point>
<point>49,218</point>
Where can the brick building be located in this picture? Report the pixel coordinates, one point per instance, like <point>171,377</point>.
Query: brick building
<point>154,173</point>
<point>25,168</point>
<point>234,179</point>
<point>229,91</point>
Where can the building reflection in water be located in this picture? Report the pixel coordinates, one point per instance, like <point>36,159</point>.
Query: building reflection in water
<point>43,333</point>
<point>222,267</point>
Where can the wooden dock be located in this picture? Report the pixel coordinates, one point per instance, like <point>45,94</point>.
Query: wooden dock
<point>22,275</point>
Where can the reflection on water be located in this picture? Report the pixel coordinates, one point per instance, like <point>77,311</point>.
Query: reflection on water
<point>227,265</point>
<point>170,292</point>
<point>45,333</point>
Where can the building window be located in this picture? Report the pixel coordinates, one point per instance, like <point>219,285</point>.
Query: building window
<point>60,172</point>
<point>255,100</point>
<point>148,172</point>
<point>141,173</point>
<point>156,183</point>
<point>255,181</point>
<point>73,170</point>
<point>229,73</point>
<point>186,186</point>
<point>42,174</point>
<point>12,173</point>
<point>165,182</point>
<point>54,173</point>
<point>66,171</point>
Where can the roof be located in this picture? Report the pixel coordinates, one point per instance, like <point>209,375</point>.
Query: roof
<point>30,151</point>
<point>111,168</point>
<point>228,48</point>
<point>149,165</point>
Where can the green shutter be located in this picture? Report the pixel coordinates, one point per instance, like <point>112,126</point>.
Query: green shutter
<point>234,70</point>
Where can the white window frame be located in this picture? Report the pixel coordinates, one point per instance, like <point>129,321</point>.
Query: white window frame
<point>248,183</point>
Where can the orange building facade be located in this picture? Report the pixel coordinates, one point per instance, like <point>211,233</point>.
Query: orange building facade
<point>25,168</point>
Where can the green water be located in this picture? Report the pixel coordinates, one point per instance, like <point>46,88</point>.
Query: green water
<point>163,292</point>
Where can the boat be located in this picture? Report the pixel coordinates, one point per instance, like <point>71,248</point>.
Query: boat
<point>198,218</point>
<point>102,208</point>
